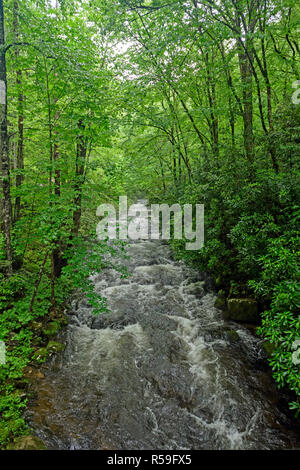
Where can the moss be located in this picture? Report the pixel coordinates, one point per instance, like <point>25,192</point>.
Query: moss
<point>243,310</point>
<point>51,328</point>
<point>41,355</point>
<point>232,336</point>
<point>238,290</point>
<point>221,300</point>
<point>27,443</point>
<point>55,347</point>
<point>36,326</point>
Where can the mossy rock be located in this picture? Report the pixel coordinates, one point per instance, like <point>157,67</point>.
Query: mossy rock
<point>36,325</point>
<point>51,328</point>
<point>55,347</point>
<point>243,310</point>
<point>221,300</point>
<point>232,336</point>
<point>269,348</point>
<point>41,355</point>
<point>27,443</point>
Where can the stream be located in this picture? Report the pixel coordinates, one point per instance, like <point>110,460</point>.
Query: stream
<point>162,370</point>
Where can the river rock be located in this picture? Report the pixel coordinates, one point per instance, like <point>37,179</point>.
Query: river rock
<point>243,310</point>
<point>221,300</point>
<point>32,374</point>
<point>197,289</point>
<point>27,443</point>
<point>55,346</point>
<point>41,355</point>
<point>231,335</point>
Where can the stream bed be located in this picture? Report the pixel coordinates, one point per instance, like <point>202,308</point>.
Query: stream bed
<point>162,370</point>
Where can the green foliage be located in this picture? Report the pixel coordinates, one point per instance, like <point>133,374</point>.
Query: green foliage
<point>186,102</point>
<point>252,237</point>
<point>85,259</point>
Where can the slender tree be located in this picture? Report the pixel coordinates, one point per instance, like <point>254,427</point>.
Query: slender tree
<point>4,150</point>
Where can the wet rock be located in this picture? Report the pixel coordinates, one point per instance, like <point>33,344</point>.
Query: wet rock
<point>243,310</point>
<point>221,300</point>
<point>27,443</point>
<point>40,355</point>
<point>55,347</point>
<point>232,336</point>
<point>165,377</point>
<point>197,289</point>
<point>31,373</point>
<point>39,374</point>
<point>162,274</point>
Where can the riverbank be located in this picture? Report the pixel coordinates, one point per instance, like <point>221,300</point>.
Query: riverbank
<point>27,348</point>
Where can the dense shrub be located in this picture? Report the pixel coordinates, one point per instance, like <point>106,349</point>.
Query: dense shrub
<point>251,237</point>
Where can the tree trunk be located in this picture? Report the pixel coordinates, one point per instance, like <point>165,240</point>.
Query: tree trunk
<point>4,151</point>
<point>211,93</point>
<point>38,281</point>
<point>20,143</point>
<point>79,177</point>
<point>56,258</point>
<point>246,78</point>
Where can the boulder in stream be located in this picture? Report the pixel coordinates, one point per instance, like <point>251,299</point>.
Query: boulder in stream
<point>55,346</point>
<point>40,355</point>
<point>197,289</point>
<point>221,300</point>
<point>243,310</point>
<point>231,335</point>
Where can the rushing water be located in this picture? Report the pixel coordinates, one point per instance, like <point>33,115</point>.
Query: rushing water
<point>162,370</point>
